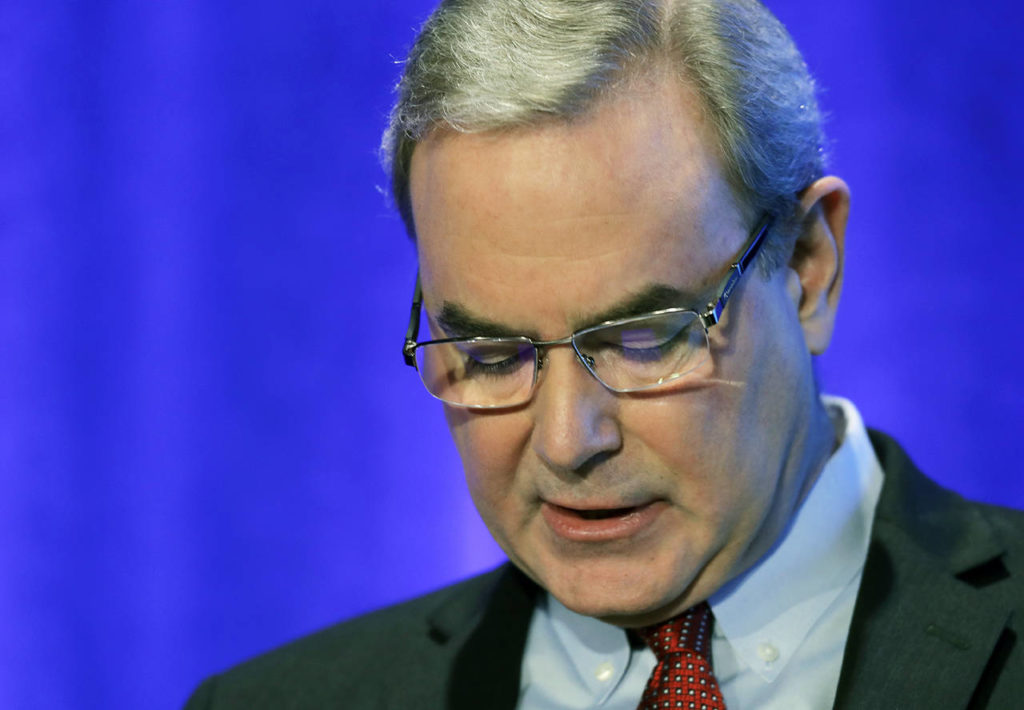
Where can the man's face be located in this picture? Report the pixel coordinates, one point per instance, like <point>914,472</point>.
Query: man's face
<point>624,507</point>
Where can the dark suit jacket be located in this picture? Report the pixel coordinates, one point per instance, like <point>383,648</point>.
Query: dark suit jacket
<point>936,625</point>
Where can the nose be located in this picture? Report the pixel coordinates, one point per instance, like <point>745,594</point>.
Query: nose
<point>575,418</point>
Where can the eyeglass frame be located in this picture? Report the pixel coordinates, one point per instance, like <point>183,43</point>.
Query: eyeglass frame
<point>709,318</point>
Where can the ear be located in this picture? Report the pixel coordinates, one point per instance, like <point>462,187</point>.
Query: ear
<point>816,268</point>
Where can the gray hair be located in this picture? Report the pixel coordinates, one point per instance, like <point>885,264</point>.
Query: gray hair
<point>480,65</point>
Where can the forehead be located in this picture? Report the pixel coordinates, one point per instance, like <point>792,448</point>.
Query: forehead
<point>537,226</point>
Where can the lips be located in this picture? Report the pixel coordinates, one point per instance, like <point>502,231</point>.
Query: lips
<point>597,524</point>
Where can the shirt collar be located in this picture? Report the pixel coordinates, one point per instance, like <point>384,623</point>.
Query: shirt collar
<point>598,651</point>
<point>775,604</point>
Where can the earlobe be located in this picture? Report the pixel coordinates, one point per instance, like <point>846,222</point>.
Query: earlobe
<point>817,259</point>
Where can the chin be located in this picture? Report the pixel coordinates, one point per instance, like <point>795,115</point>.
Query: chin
<point>629,613</point>
<point>615,595</point>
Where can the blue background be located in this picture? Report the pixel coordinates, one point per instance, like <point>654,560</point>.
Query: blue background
<point>208,442</point>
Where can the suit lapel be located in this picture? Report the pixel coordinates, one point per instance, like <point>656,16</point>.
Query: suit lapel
<point>488,633</point>
<point>920,636</point>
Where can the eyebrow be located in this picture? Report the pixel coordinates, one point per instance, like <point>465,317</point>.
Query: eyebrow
<point>653,298</point>
<point>459,322</point>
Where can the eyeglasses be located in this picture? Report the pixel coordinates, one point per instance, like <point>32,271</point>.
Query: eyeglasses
<point>632,354</point>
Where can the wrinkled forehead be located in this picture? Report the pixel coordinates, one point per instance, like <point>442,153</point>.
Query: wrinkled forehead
<point>583,212</point>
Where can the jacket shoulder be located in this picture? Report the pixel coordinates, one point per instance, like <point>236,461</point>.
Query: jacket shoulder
<point>936,622</point>
<point>942,521</point>
<point>344,663</point>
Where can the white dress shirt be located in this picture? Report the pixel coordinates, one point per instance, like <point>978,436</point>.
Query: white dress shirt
<point>780,628</point>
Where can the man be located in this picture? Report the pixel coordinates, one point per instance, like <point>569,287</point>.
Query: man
<point>629,252</point>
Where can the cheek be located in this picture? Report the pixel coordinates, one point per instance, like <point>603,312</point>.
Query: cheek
<point>692,435</point>
<point>719,446</point>
<point>491,446</point>
<point>719,483</point>
<point>765,411</point>
<point>781,383</point>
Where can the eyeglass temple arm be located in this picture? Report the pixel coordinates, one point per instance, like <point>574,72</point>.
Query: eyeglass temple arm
<point>409,349</point>
<point>713,313</point>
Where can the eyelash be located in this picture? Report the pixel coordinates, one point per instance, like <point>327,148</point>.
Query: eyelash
<point>497,369</point>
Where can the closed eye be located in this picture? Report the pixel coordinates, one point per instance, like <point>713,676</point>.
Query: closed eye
<point>644,344</point>
<point>494,359</point>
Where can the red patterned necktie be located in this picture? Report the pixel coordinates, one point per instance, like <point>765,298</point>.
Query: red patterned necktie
<point>683,677</point>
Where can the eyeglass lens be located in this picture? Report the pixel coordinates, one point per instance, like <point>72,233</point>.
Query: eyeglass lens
<point>478,372</point>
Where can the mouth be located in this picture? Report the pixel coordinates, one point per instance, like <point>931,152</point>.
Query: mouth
<point>593,524</point>
<point>601,513</point>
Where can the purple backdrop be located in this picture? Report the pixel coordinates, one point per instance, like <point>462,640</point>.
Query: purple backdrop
<point>208,442</point>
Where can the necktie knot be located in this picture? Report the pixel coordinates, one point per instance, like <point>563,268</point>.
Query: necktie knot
<point>683,677</point>
<point>689,631</point>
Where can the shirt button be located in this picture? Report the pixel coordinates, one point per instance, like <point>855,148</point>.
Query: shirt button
<point>767,653</point>
<point>604,672</point>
